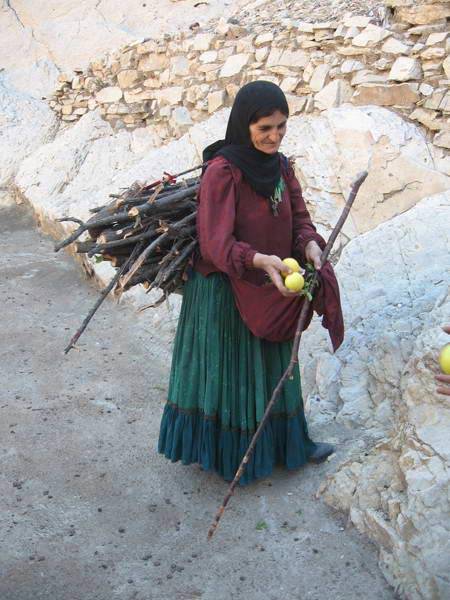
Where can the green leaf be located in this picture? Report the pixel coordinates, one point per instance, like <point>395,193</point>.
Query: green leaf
<point>98,258</point>
<point>261,525</point>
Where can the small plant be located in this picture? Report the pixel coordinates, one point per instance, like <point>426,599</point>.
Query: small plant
<point>261,525</point>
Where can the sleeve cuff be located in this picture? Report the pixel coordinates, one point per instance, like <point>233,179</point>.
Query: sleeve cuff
<point>248,259</point>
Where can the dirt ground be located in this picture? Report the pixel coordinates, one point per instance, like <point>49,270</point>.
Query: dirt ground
<point>90,511</point>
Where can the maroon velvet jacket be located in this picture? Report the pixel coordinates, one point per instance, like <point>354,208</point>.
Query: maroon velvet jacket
<point>233,223</point>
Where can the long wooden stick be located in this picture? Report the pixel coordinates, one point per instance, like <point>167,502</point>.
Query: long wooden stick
<point>294,355</point>
<point>101,298</point>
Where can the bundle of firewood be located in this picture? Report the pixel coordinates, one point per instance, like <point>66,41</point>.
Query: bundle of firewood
<point>147,232</point>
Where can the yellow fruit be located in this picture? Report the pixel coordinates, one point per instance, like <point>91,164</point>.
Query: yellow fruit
<point>292,264</point>
<point>294,282</point>
<point>444,359</point>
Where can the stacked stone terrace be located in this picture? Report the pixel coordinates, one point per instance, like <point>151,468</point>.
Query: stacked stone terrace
<point>172,82</point>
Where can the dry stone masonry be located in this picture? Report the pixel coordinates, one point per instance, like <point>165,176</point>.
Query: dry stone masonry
<point>177,80</point>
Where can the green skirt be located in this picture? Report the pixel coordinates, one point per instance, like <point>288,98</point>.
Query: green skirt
<point>221,380</point>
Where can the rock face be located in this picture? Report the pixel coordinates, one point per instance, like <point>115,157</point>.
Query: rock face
<point>332,149</point>
<point>25,124</point>
<point>382,379</point>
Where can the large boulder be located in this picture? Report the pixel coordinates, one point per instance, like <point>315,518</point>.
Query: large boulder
<point>397,492</point>
<point>394,283</point>
<point>390,278</point>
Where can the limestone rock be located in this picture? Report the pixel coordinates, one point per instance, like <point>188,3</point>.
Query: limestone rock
<point>127,78</point>
<point>234,65</point>
<point>349,66</point>
<point>334,94</point>
<point>261,53</point>
<point>365,76</point>
<point>289,84</point>
<point>428,118</point>
<point>446,66</point>
<point>181,117</point>
<point>425,89</point>
<point>395,46</point>
<point>263,38</point>
<point>433,53</point>
<point>215,100</point>
<point>179,66</point>
<point>403,94</point>
<point>356,21</point>
<point>405,69</point>
<point>202,41</point>
<point>442,139</point>
<point>423,14</point>
<point>296,103</point>
<point>153,62</point>
<point>208,57</point>
<point>297,59</point>
<point>25,124</point>
<point>319,77</point>
<point>171,95</point>
<point>109,94</point>
<point>370,36</point>
<point>351,33</point>
<point>436,38</point>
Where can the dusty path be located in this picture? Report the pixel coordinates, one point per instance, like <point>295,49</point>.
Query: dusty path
<point>89,511</point>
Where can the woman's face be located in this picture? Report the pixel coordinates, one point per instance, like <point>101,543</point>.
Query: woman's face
<point>267,133</point>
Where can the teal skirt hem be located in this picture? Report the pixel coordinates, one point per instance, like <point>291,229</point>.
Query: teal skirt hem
<point>195,438</point>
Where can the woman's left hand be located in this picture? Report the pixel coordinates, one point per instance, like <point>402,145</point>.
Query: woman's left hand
<point>313,254</point>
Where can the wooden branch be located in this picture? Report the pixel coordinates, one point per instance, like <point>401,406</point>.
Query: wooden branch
<point>294,356</point>
<point>146,253</point>
<point>100,300</point>
<point>70,219</point>
<point>129,241</point>
<point>175,264</point>
<point>168,201</point>
<point>83,247</point>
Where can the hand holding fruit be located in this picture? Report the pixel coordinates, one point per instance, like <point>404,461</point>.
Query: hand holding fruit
<point>444,362</point>
<point>278,269</point>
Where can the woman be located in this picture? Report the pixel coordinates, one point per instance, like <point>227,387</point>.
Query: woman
<point>235,331</point>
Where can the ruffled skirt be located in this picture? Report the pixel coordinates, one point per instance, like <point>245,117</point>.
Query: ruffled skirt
<point>221,379</point>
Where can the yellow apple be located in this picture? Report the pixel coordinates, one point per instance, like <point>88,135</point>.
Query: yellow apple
<point>292,264</point>
<point>294,282</point>
<point>444,359</point>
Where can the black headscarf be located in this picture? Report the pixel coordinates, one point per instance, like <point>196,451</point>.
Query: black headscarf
<point>261,170</point>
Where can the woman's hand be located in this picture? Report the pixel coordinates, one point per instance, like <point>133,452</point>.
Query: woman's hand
<point>313,254</point>
<point>274,266</point>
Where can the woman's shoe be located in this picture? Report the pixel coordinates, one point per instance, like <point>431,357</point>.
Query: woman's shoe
<point>321,453</point>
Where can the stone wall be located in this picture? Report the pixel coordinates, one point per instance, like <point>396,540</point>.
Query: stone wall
<point>172,82</point>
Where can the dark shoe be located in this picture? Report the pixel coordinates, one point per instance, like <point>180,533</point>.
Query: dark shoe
<point>321,453</point>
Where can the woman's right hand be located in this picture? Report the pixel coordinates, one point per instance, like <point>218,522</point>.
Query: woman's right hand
<point>274,266</point>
